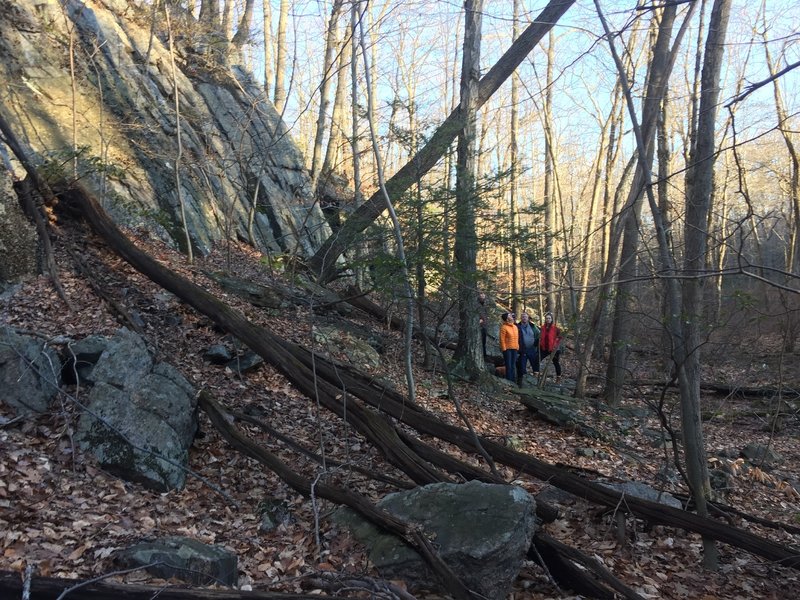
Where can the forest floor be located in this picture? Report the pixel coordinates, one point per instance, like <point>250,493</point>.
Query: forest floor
<point>67,517</point>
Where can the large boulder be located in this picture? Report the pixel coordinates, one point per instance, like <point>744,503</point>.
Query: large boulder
<point>141,416</point>
<point>30,372</point>
<point>482,531</point>
<point>182,558</point>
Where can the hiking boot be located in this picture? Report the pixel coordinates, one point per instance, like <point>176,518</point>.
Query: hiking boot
<point>558,379</point>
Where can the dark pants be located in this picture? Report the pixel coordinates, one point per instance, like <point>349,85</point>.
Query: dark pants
<point>556,360</point>
<point>528,355</point>
<point>483,340</point>
<point>510,358</point>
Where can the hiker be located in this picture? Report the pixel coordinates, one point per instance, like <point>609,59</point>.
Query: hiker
<point>483,320</point>
<point>550,342</point>
<point>528,346</point>
<point>509,344</point>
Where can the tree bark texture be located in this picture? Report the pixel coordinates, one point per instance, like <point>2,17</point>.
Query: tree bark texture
<point>465,248</point>
<point>698,205</point>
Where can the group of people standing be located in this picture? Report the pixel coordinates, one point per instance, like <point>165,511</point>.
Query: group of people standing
<point>522,343</point>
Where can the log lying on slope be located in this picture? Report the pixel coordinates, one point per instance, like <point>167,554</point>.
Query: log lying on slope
<point>285,357</point>
<point>53,588</point>
<point>413,415</point>
<point>299,372</point>
<point>559,558</point>
<point>410,534</point>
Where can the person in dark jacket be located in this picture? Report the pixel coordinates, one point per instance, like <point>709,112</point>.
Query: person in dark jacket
<point>528,346</point>
<point>550,342</point>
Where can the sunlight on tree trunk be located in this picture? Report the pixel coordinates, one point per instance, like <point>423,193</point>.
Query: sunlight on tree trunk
<point>466,242</point>
<point>279,98</point>
<point>178,156</point>
<point>401,255</point>
<point>331,45</point>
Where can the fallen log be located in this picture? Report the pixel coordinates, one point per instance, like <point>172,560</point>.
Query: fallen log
<point>592,576</point>
<point>293,362</point>
<point>788,392</point>
<point>409,533</point>
<point>384,435</point>
<point>558,555</point>
<point>52,588</point>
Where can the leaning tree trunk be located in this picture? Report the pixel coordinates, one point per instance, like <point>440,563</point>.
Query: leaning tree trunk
<point>323,263</point>
<point>657,78</point>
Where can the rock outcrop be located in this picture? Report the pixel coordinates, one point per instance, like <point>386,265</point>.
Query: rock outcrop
<point>482,531</point>
<point>140,418</point>
<point>240,175</point>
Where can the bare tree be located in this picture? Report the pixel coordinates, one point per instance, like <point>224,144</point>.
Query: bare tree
<point>337,128</point>
<point>179,153</point>
<point>331,45</point>
<point>513,210</point>
<point>549,185</point>
<point>245,23</point>
<point>466,238</point>
<point>658,72</point>
<point>788,135</point>
<point>266,12</point>
<point>688,341</point>
<point>324,260</point>
<point>279,99</point>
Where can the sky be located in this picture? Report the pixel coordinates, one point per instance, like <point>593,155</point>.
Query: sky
<point>419,39</point>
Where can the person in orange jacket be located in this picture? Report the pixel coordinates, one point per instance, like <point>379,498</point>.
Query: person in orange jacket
<point>509,344</point>
<point>550,342</point>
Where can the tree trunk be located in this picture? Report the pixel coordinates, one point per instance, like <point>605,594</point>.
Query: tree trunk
<point>787,132</point>
<point>279,99</point>
<point>331,44</point>
<point>323,263</point>
<point>245,23</point>
<point>657,78</point>
<point>333,151</point>
<point>266,22</point>
<point>698,205</point>
<point>466,239</point>
<point>548,193</point>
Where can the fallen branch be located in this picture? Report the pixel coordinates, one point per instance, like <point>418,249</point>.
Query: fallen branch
<point>287,358</point>
<point>411,535</point>
<point>51,588</point>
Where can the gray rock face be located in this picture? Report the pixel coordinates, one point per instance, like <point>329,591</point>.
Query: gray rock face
<point>183,558</point>
<point>30,373</point>
<point>235,147</point>
<point>760,455</point>
<point>482,531</point>
<point>141,416</point>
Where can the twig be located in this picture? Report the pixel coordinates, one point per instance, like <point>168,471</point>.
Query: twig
<point>81,584</point>
<point>26,582</point>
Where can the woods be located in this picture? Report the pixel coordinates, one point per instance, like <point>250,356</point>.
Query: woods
<point>616,167</point>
